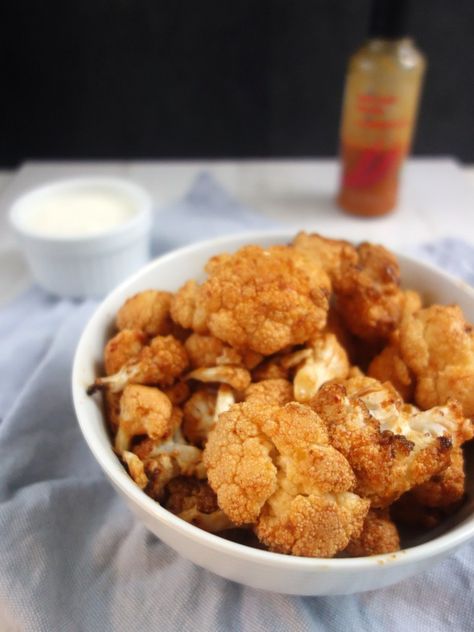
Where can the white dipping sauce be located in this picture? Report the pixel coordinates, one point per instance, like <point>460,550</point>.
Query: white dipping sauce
<point>78,213</point>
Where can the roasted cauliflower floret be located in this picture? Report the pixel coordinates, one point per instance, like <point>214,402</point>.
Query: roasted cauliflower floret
<point>368,294</point>
<point>147,311</point>
<point>391,447</point>
<point>112,409</point>
<point>328,254</point>
<point>388,366</point>
<point>202,411</point>
<point>185,492</point>
<point>447,487</point>
<point>199,415</point>
<point>188,309</point>
<point>273,467</point>
<point>143,411</point>
<point>160,362</point>
<point>328,360</point>
<point>314,525</point>
<point>257,299</point>
<point>225,399</point>
<point>379,535</point>
<point>178,393</point>
<point>337,326</point>
<point>235,376</point>
<point>208,351</point>
<point>270,369</point>
<point>250,359</point>
<point>437,345</point>
<point>136,468</point>
<point>278,391</point>
<point>194,501</point>
<point>426,505</point>
<point>122,348</point>
<point>292,359</point>
<point>164,460</point>
<point>383,401</point>
<point>281,365</point>
<point>412,302</point>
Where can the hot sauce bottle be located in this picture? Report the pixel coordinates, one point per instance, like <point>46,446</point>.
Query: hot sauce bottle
<point>379,112</point>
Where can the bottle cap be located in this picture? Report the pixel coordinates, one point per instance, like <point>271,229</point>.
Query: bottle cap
<point>388,19</point>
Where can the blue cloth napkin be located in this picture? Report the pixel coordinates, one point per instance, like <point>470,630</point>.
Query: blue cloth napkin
<point>73,558</point>
<point>205,212</point>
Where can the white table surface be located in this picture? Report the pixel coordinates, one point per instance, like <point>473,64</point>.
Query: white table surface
<point>437,199</point>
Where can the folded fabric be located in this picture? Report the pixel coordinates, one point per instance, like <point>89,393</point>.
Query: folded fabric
<point>73,558</point>
<point>206,211</point>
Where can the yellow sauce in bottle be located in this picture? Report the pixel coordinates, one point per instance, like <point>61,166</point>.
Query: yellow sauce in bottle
<point>378,119</point>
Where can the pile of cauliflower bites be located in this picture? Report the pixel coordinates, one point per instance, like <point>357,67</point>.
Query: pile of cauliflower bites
<point>297,394</point>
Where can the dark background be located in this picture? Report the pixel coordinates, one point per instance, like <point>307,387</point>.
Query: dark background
<point>209,78</point>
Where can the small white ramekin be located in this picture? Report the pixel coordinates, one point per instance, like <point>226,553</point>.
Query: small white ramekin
<point>90,265</point>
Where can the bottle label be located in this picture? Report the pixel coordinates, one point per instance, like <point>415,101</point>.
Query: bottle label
<point>366,166</point>
<point>374,112</point>
<point>379,111</point>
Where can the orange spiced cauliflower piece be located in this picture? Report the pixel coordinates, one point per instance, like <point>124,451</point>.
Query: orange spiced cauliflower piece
<point>258,299</point>
<point>273,467</point>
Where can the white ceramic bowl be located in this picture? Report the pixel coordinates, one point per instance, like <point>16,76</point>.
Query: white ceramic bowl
<point>253,567</point>
<point>90,264</point>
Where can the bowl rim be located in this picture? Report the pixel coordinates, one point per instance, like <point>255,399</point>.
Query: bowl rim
<point>138,195</point>
<point>108,460</point>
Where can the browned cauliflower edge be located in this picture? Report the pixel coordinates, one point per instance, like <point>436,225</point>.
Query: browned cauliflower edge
<point>262,300</point>
<point>273,467</point>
